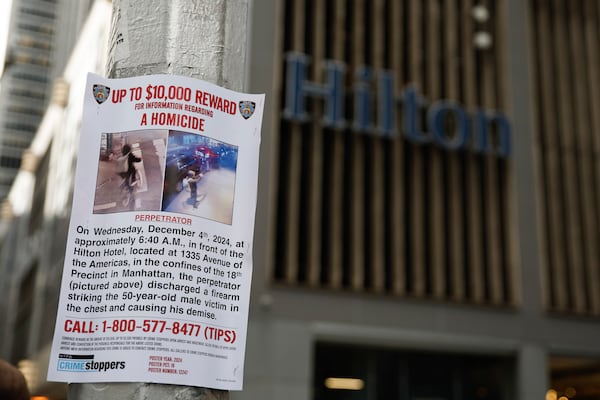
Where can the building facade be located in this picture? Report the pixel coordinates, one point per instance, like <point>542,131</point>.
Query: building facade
<point>429,198</point>
<point>41,37</point>
<point>429,183</point>
<point>35,212</point>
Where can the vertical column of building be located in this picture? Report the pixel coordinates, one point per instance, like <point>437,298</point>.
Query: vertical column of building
<point>376,180</point>
<point>566,140</point>
<point>587,214</point>
<point>506,174</point>
<point>356,169</point>
<point>334,235</point>
<point>293,160</point>
<point>416,179</point>
<point>532,359</point>
<point>591,33</point>
<point>435,157</point>
<point>551,222</point>
<point>315,168</point>
<point>489,101</point>
<point>472,171</point>
<point>454,172</point>
<point>398,224</point>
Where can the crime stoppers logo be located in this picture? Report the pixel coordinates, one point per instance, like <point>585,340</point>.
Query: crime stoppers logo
<point>86,363</point>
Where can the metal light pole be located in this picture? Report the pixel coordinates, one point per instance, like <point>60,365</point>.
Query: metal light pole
<point>204,39</point>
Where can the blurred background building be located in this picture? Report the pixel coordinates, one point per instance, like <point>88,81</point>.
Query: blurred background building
<point>41,35</point>
<point>429,200</point>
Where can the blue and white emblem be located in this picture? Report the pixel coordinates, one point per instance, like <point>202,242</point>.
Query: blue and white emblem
<point>101,93</point>
<point>247,108</point>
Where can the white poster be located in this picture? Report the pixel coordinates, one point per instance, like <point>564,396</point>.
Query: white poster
<point>158,263</point>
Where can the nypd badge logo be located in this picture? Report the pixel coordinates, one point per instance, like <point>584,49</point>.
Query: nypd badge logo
<point>101,93</point>
<point>247,108</point>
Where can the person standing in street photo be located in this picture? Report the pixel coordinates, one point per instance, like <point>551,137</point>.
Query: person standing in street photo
<point>125,162</point>
<point>192,182</point>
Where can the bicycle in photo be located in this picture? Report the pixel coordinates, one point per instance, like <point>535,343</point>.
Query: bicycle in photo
<point>128,188</point>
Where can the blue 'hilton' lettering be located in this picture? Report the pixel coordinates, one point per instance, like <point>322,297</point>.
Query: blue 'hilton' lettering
<point>474,132</point>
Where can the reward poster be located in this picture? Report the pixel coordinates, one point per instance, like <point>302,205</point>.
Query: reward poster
<point>158,262</point>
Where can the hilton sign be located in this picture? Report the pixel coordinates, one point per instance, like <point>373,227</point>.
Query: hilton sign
<point>448,124</point>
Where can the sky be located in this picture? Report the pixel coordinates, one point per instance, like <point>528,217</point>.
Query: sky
<point>4,17</point>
